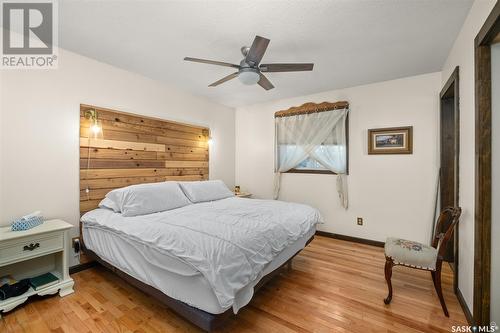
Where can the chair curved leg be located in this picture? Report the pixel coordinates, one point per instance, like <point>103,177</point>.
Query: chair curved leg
<point>388,274</point>
<point>437,285</point>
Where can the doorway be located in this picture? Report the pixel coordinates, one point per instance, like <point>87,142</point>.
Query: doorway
<point>449,161</point>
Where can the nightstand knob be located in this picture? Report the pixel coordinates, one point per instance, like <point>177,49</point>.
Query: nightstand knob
<point>31,247</point>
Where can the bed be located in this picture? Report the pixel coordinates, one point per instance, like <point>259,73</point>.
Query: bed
<point>203,260</point>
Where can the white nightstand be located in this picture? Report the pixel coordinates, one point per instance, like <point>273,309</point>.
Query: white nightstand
<point>243,194</point>
<point>42,249</point>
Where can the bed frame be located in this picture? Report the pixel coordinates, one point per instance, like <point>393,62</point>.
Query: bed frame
<point>134,149</point>
<point>204,320</point>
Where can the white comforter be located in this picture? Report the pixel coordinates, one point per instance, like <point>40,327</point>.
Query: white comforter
<point>229,241</point>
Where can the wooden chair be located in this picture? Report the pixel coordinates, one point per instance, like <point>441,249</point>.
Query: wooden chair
<point>420,256</point>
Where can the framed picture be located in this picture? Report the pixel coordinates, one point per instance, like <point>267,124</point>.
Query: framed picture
<point>393,140</point>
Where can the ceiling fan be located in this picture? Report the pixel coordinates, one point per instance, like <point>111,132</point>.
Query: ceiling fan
<point>250,70</point>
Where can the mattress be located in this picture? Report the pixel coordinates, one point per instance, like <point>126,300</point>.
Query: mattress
<point>172,277</point>
<point>110,236</point>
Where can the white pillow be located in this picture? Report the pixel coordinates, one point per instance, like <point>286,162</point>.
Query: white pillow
<point>109,204</point>
<point>150,198</point>
<point>208,190</point>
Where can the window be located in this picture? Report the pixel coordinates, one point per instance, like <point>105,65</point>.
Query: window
<point>313,143</point>
<point>310,165</point>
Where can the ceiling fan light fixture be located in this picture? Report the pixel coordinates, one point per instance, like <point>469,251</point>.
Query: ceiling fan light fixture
<point>249,76</point>
<point>250,71</point>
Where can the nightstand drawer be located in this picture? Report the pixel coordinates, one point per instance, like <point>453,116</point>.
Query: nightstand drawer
<point>25,248</point>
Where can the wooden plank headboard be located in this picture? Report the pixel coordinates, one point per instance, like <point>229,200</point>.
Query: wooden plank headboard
<point>133,149</point>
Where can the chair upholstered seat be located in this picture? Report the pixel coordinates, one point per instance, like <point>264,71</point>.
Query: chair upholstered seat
<point>410,253</point>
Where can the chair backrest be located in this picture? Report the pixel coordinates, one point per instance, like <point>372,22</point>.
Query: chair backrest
<point>449,217</point>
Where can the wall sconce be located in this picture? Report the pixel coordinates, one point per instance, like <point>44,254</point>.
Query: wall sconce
<point>95,128</point>
<point>207,136</point>
<point>95,125</point>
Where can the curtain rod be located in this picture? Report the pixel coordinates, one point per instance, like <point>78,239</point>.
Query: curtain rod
<point>311,108</point>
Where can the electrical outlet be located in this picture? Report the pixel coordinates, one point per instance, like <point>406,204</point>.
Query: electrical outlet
<point>75,243</point>
<point>360,221</point>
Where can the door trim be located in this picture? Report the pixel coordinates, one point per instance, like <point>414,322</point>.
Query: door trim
<point>454,79</point>
<point>482,191</point>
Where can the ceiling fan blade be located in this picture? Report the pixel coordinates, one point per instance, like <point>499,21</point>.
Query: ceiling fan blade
<point>265,83</point>
<point>224,79</point>
<point>256,51</point>
<point>286,67</point>
<point>211,62</point>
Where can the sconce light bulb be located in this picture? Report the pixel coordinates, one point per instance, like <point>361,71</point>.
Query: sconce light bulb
<point>95,128</point>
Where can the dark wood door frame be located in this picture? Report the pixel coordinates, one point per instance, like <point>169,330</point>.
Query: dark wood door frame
<point>482,191</point>
<point>454,83</point>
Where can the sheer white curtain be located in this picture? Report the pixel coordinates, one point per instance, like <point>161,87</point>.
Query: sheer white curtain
<point>321,136</point>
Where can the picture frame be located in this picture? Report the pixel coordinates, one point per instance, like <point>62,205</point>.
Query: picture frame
<point>390,140</point>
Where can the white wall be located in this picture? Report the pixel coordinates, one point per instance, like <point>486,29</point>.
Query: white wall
<point>1,117</point>
<point>495,181</point>
<point>462,54</point>
<point>40,129</point>
<point>393,193</point>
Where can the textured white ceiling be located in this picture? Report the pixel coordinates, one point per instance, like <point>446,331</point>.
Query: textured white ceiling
<point>351,42</point>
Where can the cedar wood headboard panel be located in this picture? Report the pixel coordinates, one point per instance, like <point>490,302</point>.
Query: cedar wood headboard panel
<point>133,149</point>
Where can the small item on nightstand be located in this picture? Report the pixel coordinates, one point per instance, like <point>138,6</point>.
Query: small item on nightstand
<point>44,280</point>
<point>239,194</point>
<point>243,194</point>
<point>13,290</point>
<point>7,279</point>
<point>27,222</point>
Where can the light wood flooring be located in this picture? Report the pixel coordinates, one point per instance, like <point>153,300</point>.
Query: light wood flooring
<point>335,286</point>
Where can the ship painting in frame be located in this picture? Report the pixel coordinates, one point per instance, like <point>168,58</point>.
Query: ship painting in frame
<point>391,140</point>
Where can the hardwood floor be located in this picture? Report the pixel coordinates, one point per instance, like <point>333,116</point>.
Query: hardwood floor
<point>335,286</point>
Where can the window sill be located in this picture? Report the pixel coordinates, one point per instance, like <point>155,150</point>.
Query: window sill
<point>321,172</point>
